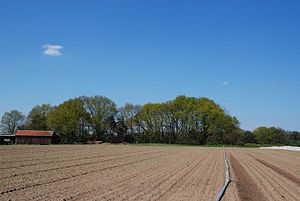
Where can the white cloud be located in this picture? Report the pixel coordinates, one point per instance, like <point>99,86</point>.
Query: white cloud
<point>225,83</point>
<point>52,50</point>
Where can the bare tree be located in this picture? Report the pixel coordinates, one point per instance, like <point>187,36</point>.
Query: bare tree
<point>11,121</point>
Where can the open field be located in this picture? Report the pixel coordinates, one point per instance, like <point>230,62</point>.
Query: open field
<point>265,174</point>
<point>120,172</point>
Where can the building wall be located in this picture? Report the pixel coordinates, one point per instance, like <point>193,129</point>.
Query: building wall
<point>7,139</point>
<point>32,140</point>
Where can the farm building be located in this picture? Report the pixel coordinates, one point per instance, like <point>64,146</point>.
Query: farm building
<point>7,139</point>
<point>36,137</point>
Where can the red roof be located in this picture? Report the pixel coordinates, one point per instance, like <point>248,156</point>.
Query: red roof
<point>34,133</point>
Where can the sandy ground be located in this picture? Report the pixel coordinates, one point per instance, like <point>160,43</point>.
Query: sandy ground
<point>123,172</point>
<point>110,172</point>
<point>265,174</point>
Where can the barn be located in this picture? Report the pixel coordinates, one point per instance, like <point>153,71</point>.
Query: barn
<point>36,137</point>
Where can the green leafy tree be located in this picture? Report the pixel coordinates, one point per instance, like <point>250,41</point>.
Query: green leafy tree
<point>263,135</point>
<point>70,121</point>
<point>293,138</point>
<point>101,111</point>
<point>248,137</point>
<point>37,117</point>
<point>278,135</point>
<point>11,121</point>
<point>186,120</point>
<point>128,113</point>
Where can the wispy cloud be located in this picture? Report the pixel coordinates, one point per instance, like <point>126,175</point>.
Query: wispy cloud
<point>225,83</point>
<point>52,50</point>
<point>272,82</point>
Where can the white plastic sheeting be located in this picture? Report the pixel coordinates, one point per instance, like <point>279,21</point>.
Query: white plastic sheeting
<point>290,148</point>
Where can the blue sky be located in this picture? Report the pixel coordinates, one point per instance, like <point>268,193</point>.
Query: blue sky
<point>245,55</point>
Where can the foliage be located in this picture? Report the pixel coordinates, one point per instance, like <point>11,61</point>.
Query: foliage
<point>101,111</point>
<point>248,137</point>
<point>70,121</point>
<point>263,135</point>
<point>184,120</point>
<point>11,121</point>
<point>37,117</point>
<point>128,114</point>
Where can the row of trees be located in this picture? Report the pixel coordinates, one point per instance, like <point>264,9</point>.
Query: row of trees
<point>272,135</point>
<point>185,120</point>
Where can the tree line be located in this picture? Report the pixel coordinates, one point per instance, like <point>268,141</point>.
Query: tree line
<point>184,120</point>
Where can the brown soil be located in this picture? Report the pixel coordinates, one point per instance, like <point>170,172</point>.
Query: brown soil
<point>121,172</point>
<point>279,170</point>
<point>272,184</point>
<point>110,172</point>
<point>247,189</point>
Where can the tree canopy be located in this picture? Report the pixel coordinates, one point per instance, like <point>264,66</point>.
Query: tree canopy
<point>37,117</point>
<point>101,112</point>
<point>184,120</point>
<point>11,121</point>
<point>70,120</point>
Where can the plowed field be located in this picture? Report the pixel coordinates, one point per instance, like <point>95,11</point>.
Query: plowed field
<point>265,174</point>
<point>123,172</point>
